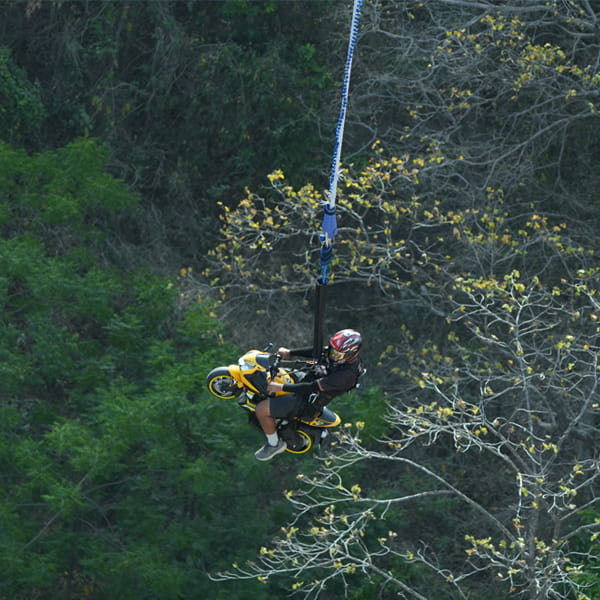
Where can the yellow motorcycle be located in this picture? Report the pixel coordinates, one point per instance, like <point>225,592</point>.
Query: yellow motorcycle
<point>247,381</point>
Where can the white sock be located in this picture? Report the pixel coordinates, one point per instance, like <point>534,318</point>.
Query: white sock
<point>272,439</point>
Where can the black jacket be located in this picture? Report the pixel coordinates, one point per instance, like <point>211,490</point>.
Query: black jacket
<point>337,380</point>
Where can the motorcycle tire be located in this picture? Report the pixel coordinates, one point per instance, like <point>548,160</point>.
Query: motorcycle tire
<point>300,442</point>
<point>222,385</point>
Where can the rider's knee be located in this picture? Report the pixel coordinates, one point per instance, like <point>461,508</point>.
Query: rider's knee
<point>264,408</point>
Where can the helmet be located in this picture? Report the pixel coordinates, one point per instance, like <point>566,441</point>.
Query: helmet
<point>344,346</point>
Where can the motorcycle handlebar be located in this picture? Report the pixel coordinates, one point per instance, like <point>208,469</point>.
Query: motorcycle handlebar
<point>275,359</point>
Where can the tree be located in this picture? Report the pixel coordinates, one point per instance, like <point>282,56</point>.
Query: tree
<point>22,111</point>
<point>196,100</point>
<point>505,391</point>
<point>511,88</point>
<point>120,477</point>
<point>479,103</point>
<point>472,234</point>
<point>489,287</point>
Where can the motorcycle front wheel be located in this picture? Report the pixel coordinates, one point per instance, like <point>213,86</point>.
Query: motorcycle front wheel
<point>222,385</point>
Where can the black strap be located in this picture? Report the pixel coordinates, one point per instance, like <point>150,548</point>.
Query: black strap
<point>319,317</point>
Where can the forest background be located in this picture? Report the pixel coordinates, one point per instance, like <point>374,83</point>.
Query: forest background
<point>163,166</point>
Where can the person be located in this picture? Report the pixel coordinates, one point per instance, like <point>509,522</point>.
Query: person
<point>336,376</point>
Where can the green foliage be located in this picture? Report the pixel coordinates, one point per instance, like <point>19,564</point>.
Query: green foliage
<point>61,207</point>
<point>196,99</point>
<point>367,406</point>
<point>21,107</point>
<point>62,198</point>
<point>120,476</point>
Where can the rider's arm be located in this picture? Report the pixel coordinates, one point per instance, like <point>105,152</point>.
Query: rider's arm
<point>286,353</point>
<point>308,387</point>
<point>302,388</point>
<point>303,352</point>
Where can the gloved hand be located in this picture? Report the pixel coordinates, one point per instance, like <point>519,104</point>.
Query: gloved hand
<point>320,371</point>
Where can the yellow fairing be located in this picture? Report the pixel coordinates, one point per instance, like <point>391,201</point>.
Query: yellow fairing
<point>282,377</point>
<point>253,362</point>
<point>318,421</point>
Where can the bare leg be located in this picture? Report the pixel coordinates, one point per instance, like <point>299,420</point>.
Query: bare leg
<point>274,445</point>
<point>263,414</point>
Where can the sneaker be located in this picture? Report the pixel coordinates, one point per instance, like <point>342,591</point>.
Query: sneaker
<point>267,452</point>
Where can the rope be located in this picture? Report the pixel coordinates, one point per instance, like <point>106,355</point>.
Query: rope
<point>329,217</point>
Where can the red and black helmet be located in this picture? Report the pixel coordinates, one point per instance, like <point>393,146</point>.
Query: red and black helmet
<point>344,346</point>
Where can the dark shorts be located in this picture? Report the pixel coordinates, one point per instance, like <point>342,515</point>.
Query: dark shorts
<point>290,405</point>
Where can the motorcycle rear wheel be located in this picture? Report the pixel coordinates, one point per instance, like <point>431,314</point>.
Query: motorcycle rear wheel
<point>222,385</point>
<point>302,443</point>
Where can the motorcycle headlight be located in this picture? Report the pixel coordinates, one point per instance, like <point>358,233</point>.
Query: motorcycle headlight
<point>246,365</point>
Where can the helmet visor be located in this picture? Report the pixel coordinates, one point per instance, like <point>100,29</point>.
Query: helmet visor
<point>336,355</point>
